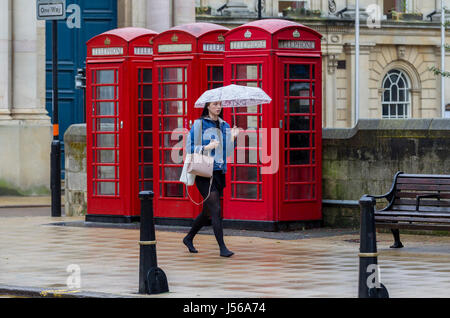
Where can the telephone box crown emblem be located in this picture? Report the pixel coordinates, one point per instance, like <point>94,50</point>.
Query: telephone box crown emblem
<point>221,38</point>
<point>174,38</point>
<point>247,34</point>
<point>107,41</point>
<point>296,34</point>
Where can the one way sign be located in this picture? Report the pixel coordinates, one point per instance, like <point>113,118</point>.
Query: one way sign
<point>51,9</point>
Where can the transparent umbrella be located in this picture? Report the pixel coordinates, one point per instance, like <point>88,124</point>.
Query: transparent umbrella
<point>234,96</point>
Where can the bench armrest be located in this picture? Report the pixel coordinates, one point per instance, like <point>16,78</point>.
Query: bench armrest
<point>423,196</point>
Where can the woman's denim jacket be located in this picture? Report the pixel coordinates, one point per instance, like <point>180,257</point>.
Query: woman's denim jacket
<point>209,132</point>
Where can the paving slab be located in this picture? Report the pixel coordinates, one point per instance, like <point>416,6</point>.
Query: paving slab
<point>38,250</point>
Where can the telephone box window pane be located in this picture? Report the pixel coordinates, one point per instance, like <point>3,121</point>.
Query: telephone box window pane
<point>148,91</point>
<point>299,71</point>
<point>105,140</point>
<point>247,173</point>
<point>106,156</point>
<point>105,92</point>
<point>147,76</point>
<point>147,123</point>
<point>247,191</point>
<point>247,71</point>
<point>173,189</point>
<point>299,89</point>
<point>299,123</point>
<point>105,77</point>
<point>300,191</point>
<point>173,91</point>
<point>105,124</point>
<point>217,73</point>
<point>148,140</point>
<point>169,142</point>
<point>172,173</point>
<point>148,185</point>
<point>299,140</point>
<point>168,156</point>
<point>172,74</point>
<point>105,172</point>
<point>171,123</point>
<point>173,108</point>
<point>148,155</point>
<point>299,106</point>
<point>106,188</point>
<point>299,174</point>
<point>147,107</point>
<point>105,108</point>
<point>299,157</point>
<point>148,172</point>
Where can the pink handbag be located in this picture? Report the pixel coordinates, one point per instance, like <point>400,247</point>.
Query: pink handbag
<point>201,165</point>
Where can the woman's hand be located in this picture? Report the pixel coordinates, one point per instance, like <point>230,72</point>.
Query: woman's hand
<point>213,144</point>
<point>235,132</point>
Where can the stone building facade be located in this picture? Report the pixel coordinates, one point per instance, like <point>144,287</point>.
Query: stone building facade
<point>402,44</point>
<point>394,58</point>
<point>25,124</point>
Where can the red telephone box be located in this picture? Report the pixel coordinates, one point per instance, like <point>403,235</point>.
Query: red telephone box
<point>119,95</point>
<point>188,60</point>
<point>284,59</point>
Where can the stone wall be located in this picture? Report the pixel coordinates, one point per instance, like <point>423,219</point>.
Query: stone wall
<point>75,159</point>
<point>363,160</point>
<point>357,161</point>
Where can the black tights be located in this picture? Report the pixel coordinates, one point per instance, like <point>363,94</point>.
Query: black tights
<point>210,207</point>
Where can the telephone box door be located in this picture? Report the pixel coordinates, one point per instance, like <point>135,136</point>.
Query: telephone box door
<point>247,188</point>
<point>104,129</point>
<point>172,113</point>
<point>300,138</point>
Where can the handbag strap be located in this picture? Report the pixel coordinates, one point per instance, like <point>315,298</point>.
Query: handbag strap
<point>209,192</point>
<point>198,135</point>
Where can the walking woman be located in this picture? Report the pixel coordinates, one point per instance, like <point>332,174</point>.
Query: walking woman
<point>216,137</point>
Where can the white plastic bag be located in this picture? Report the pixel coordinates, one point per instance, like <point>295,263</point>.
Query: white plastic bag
<point>186,177</point>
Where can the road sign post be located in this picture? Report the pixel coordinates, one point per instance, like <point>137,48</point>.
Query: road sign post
<point>54,10</point>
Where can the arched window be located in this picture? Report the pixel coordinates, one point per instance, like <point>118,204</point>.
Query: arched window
<point>396,99</point>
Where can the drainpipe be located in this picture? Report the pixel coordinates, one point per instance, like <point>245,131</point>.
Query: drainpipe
<point>357,63</point>
<point>442,58</point>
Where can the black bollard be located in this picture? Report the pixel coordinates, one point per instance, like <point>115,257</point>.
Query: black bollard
<point>369,285</point>
<point>152,280</point>
<point>55,178</point>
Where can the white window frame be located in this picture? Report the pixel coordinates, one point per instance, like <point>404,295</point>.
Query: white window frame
<point>390,108</point>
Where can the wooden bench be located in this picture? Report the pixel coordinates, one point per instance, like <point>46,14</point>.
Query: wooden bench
<point>417,202</point>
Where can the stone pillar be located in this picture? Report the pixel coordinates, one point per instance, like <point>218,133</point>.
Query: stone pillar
<point>76,187</point>
<point>331,49</point>
<point>28,63</point>
<point>159,16</point>
<point>364,73</point>
<point>183,12</point>
<point>25,128</point>
<point>5,59</point>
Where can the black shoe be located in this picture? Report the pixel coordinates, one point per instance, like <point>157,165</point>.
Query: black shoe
<point>226,253</point>
<point>189,245</point>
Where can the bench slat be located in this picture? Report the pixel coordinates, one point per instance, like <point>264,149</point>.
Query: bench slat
<point>414,226</point>
<point>423,180</point>
<point>411,219</point>
<point>423,202</point>
<point>405,213</point>
<point>427,187</point>
<point>411,194</point>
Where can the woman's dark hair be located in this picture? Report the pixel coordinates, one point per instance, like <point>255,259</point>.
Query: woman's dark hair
<point>205,111</point>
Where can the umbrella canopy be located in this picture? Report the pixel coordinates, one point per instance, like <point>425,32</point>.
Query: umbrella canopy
<point>234,96</point>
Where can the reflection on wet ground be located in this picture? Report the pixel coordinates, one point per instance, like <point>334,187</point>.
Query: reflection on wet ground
<point>37,254</point>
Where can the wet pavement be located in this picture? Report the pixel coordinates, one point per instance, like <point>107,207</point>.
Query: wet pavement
<point>37,249</point>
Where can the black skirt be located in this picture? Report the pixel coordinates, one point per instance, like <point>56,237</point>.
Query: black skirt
<point>218,183</point>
